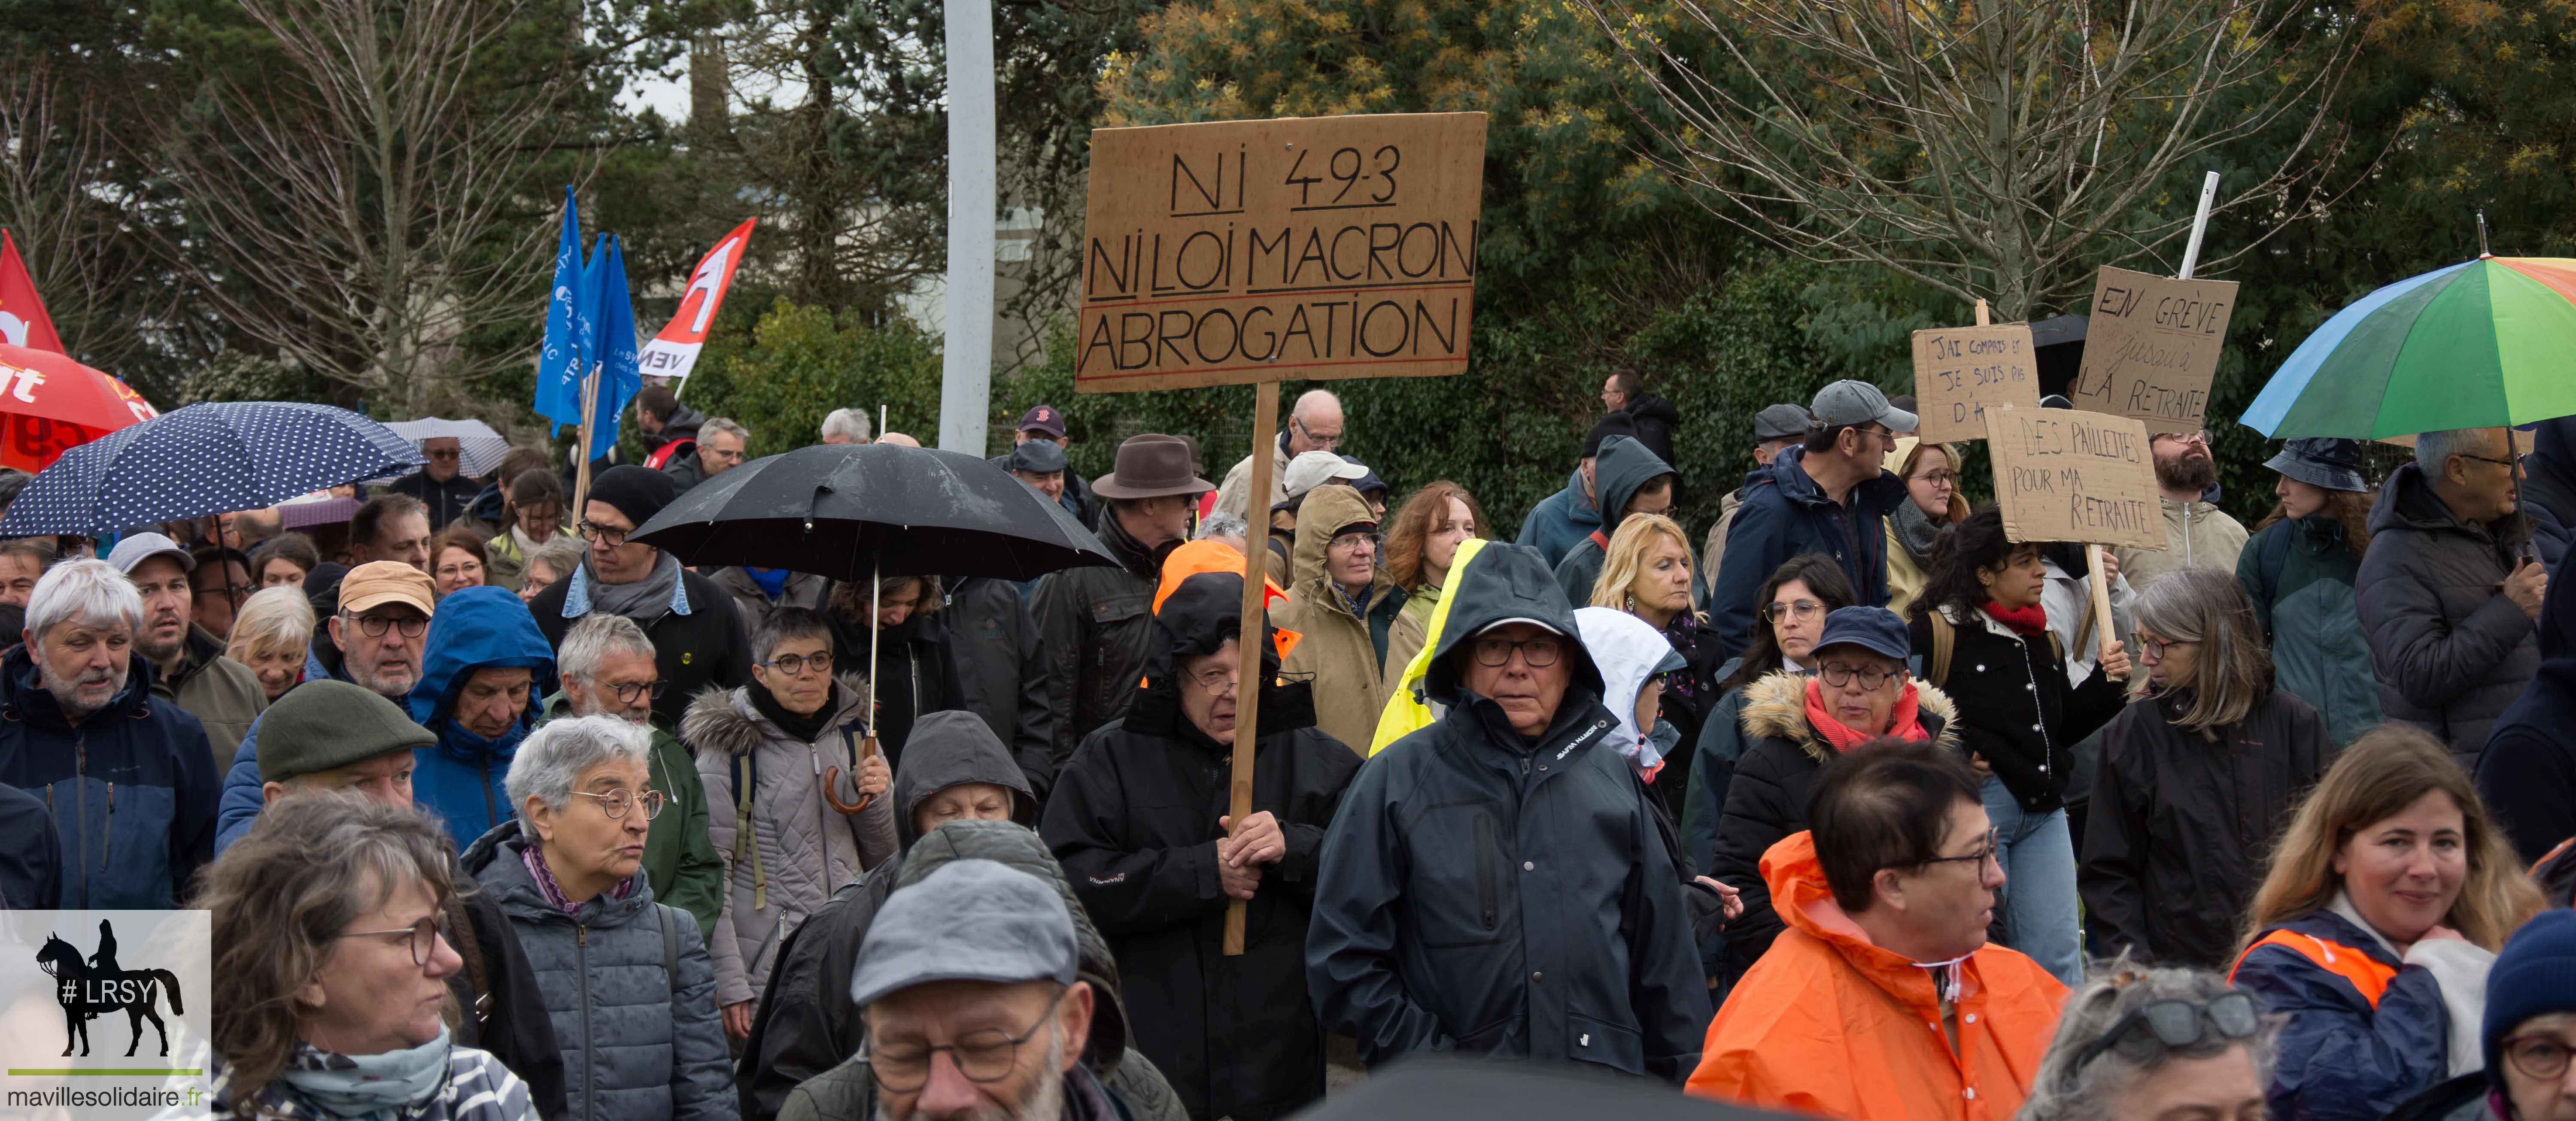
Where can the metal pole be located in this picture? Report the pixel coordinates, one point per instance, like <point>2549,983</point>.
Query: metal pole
<point>2199,226</point>
<point>966,355</point>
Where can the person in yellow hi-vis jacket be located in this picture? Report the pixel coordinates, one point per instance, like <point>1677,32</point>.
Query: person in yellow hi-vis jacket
<point>1406,710</point>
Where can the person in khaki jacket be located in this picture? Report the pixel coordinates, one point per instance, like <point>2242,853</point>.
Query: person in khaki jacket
<point>1343,604</point>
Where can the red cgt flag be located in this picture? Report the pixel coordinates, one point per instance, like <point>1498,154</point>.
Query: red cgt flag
<point>671,353</point>
<point>23,321</point>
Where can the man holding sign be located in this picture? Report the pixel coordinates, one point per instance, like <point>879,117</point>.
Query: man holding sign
<point>2197,533</point>
<point>1830,496</point>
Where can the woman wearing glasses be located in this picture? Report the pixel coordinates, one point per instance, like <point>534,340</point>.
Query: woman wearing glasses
<point>1931,474</point>
<point>2374,931</point>
<point>2196,778</point>
<point>330,993</point>
<point>627,980</point>
<point>1793,606</point>
<point>2152,1044</point>
<point>1984,638</point>
<point>1795,724</point>
<point>780,761</point>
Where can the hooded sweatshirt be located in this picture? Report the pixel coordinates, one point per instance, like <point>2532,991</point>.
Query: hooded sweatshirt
<point>460,779</point>
<point>1623,468</point>
<point>1344,642</point>
<point>1561,519</point>
<point>1628,652</point>
<point>805,1023</point>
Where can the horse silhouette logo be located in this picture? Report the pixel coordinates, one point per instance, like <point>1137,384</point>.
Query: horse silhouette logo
<point>91,987</point>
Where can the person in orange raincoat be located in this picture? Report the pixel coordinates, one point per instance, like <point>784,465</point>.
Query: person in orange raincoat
<point>1882,999</point>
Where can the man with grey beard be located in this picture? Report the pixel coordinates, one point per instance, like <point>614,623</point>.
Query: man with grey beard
<point>131,783</point>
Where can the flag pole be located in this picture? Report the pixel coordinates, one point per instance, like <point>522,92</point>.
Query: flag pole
<point>581,474</point>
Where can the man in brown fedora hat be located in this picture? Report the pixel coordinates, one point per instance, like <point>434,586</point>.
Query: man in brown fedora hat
<point>1093,623</point>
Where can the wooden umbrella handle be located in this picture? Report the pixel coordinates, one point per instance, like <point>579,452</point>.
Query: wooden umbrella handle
<point>832,778</point>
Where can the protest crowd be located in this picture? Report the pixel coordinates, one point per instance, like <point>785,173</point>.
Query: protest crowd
<point>1845,806</point>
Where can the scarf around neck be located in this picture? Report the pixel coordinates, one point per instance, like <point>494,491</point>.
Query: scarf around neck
<point>804,727</point>
<point>643,600</point>
<point>544,874</point>
<point>369,1086</point>
<point>2026,622</point>
<point>1903,722</point>
<point>1915,531</point>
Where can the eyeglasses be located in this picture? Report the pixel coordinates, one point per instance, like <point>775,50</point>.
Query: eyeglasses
<point>655,689</point>
<point>1325,440</point>
<point>2178,1023</point>
<point>593,531</point>
<point>987,1055</point>
<point>1349,541</point>
<point>2516,461</point>
<point>423,936</point>
<point>615,803</point>
<point>2155,648</point>
<point>1941,479</point>
<point>1216,679</point>
<point>1540,653</point>
<point>2540,1057</point>
<point>2201,438</point>
<point>442,453</point>
<point>375,626</point>
<point>793,664</point>
<point>1838,675</point>
<point>720,453</point>
<point>1802,609</point>
<point>1993,836</point>
<point>237,592</point>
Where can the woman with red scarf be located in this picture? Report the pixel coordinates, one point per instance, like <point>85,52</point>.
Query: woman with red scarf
<point>1797,722</point>
<point>2019,719</point>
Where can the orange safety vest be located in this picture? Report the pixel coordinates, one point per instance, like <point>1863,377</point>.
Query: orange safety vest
<point>2366,974</point>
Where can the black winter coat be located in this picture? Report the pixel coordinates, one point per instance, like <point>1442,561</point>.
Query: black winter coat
<point>916,674</point>
<point>1766,801</point>
<point>1094,625</point>
<point>693,651</point>
<point>1001,672</point>
<point>2527,776</point>
<point>506,1015</point>
<point>447,501</point>
<point>31,853</point>
<point>1656,420</point>
<point>2450,651</point>
<point>1493,894</point>
<point>2180,826</point>
<point>2016,710</point>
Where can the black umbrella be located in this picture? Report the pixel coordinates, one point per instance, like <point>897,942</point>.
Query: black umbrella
<point>859,511</point>
<point>1442,1089</point>
<point>863,511</point>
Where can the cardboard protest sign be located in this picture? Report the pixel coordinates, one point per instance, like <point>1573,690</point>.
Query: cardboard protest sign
<point>2072,475</point>
<point>2152,348</point>
<point>1230,252</point>
<point>1960,372</point>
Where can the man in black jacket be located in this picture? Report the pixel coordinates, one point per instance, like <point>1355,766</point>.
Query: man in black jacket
<point>1139,821</point>
<point>1475,865</point>
<point>1001,671</point>
<point>1094,623</point>
<point>698,639</point>
<point>1655,418</point>
<point>441,485</point>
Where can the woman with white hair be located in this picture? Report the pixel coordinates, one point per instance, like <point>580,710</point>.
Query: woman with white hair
<point>272,636</point>
<point>2148,1044</point>
<point>629,981</point>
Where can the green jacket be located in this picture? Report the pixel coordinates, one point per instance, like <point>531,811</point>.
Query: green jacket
<point>679,860</point>
<point>2319,651</point>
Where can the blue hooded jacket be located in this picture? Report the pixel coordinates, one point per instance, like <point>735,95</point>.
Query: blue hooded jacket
<point>460,780</point>
<point>2344,1057</point>
<point>1785,514</point>
<point>132,788</point>
<point>1560,521</point>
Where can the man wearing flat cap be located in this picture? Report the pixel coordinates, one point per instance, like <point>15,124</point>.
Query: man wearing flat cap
<point>1094,623</point>
<point>698,637</point>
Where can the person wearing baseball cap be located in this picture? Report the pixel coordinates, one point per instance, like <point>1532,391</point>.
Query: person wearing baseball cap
<point>1775,428</point>
<point>1796,722</point>
<point>1094,622</point>
<point>188,664</point>
<point>698,636</point>
<point>1564,519</point>
<point>1831,494</point>
<point>378,636</point>
<point>1044,424</point>
<point>1306,472</point>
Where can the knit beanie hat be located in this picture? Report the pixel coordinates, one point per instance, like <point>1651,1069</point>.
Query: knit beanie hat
<point>321,725</point>
<point>2534,976</point>
<point>637,492</point>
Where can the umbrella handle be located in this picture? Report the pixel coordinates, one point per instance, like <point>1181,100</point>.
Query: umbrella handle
<point>832,778</point>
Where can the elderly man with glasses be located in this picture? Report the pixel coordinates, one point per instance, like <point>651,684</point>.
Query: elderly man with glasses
<point>441,484</point>
<point>606,669</point>
<point>1883,998</point>
<point>698,636</point>
<point>1314,425</point>
<point>1494,885</point>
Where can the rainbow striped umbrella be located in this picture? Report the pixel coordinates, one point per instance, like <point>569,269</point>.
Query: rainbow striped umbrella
<point>2485,343</point>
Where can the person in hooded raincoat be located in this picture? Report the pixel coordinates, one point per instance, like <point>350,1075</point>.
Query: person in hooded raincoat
<point>1345,629</point>
<point>1630,481</point>
<point>1494,885</point>
<point>1139,820</point>
<point>478,694</point>
<point>1408,710</point>
<point>1563,519</point>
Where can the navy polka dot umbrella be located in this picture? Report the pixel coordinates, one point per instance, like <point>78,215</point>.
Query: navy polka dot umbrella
<point>205,459</point>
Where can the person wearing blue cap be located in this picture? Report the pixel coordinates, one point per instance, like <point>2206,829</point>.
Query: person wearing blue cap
<point>1797,722</point>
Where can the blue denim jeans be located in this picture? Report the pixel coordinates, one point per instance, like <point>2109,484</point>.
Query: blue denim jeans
<point>2039,901</point>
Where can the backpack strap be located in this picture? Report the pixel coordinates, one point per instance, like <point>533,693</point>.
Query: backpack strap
<point>460,930</point>
<point>1943,639</point>
<point>2276,553</point>
<point>670,951</point>
<point>746,775</point>
<point>1598,538</point>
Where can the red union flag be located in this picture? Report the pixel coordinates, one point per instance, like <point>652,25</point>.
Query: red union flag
<point>671,353</point>
<point>23,321</point>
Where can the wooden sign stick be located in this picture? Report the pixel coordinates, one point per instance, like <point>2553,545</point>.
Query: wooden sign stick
<point>2093,556</point>
<point>1985,316</point>
<point>1247,702</point>
<point>581,474</point>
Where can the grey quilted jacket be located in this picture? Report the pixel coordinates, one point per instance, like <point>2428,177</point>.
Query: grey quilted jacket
<point>800,850</point>
<point>639,1044</point>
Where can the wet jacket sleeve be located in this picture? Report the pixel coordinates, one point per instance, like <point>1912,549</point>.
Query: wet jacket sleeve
<point>1126,890</point>
<point>242,796</point>
<point>2091,705</point>
<point>1350,943</point>
<point>1666,989</point>
<point>2337,1058</point>
<point>698,888</point>
<point>1057,610</point>
<point>1754,547</point>
<point>2428,659</point>
<point>2112,878</point>
<point>701,1064</point>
